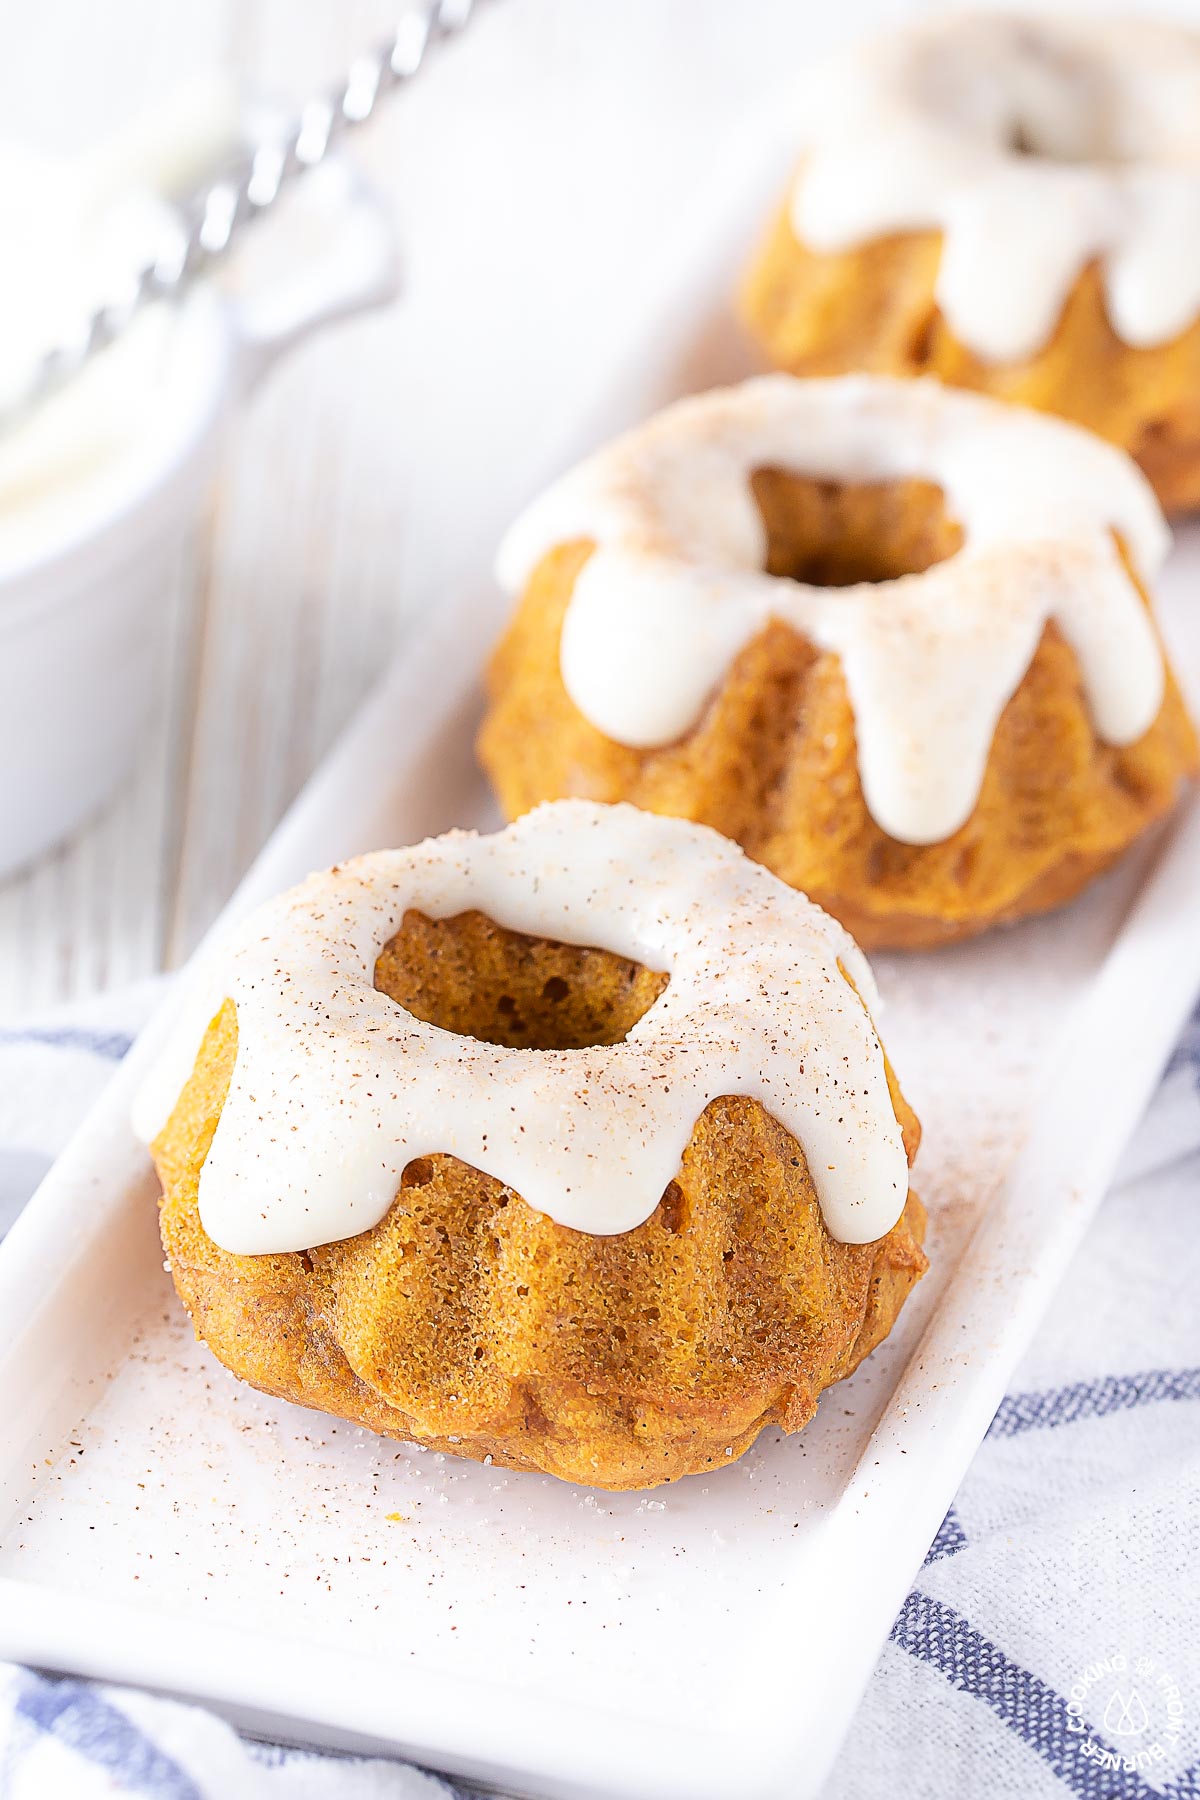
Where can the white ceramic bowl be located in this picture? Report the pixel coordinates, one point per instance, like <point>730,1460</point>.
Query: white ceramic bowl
<point>81,605</point>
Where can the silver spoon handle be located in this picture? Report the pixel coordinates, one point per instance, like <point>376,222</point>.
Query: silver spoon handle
<point>212,219</point>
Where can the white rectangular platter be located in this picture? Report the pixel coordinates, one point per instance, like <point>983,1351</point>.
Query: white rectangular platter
<point>161,1524</point>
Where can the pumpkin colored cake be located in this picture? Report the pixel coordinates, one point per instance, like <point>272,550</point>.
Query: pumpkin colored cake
<point>893,638</point>
<point>1012,205</point>
<point>436,1162</point>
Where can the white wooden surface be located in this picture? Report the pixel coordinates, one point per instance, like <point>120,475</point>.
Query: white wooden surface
<point>533,172</point>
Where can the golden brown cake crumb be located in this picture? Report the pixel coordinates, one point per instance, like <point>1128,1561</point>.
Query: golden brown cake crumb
<point>873,308</point>
<point>471,1323</point>
<point>773,762</point>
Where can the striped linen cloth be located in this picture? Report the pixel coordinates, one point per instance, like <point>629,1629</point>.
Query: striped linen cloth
<point>1051,1643</point>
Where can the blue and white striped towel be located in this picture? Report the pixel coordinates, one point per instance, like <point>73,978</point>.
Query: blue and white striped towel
<point>1051,1645</point>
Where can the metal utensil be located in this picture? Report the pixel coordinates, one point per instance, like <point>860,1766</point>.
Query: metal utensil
<point>211,220</point>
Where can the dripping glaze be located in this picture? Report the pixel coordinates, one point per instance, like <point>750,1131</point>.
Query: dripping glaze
<point>1035,147</point>
<point>336,1088</point>
<point>676,587</point>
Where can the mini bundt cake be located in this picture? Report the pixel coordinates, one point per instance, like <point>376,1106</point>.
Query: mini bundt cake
<point>891,637</point>
<point>1012,205</point>
<point>436,1163</point>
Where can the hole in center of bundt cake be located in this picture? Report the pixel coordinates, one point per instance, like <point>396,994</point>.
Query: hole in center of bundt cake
<point>1030,137</point>
<point>1096,135</point>
<point>471,976</point>
<point>835,534</point>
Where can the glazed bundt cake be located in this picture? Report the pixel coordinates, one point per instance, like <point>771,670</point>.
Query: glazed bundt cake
<point>1012,205</point>
<point>435,1162</point>
<point>891,637</point>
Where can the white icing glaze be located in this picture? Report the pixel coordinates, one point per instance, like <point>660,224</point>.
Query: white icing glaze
<point>336,1088</point>
<point>1035,147</point>
<point>675,587</point>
